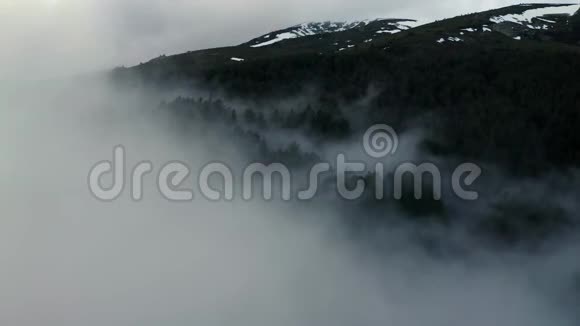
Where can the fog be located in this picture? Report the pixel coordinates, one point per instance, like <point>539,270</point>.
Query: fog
<point>70,259</point>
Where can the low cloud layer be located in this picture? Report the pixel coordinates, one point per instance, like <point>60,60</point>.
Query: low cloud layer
<point>68,259</point>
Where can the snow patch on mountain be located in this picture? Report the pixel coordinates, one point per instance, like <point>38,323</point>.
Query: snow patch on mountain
<point>391,26</point>
<point>397,27</point>
<point>308,29</point>
<point>526,18</point>
<point>278,38</point>
<point>449,39</point>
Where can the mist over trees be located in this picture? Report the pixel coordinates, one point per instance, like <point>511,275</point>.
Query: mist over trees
<point>509,106</point>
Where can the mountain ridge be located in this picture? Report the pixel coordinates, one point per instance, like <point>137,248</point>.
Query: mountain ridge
<point>328,38</point>
<point>379,25</point>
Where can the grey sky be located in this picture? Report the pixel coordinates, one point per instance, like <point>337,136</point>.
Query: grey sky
<point>42,38</point>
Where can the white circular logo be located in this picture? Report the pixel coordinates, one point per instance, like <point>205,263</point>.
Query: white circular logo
<point>380,141</point>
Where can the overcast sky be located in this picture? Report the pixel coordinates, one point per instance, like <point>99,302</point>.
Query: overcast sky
<point>43,38</point>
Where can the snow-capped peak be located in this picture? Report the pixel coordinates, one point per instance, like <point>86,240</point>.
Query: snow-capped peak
<point>308,29</point>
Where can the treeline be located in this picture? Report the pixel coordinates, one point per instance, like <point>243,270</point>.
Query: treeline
<point>328,125</point>
<point>517,105</point>
<point>249,126</point>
